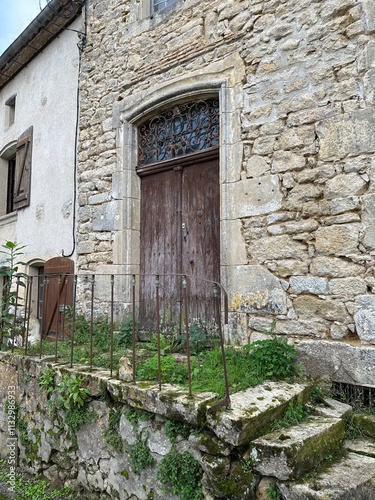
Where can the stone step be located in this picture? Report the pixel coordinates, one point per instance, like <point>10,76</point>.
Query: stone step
<point>351,477</point>
<point>254,409</point>
<point>290,452</point>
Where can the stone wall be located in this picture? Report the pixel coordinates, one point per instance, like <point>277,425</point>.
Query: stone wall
<point>117,451</point>
<point>296,83</point>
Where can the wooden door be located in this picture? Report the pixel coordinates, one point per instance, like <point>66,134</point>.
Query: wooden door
<point>58,294</point>
<point>180,234</point>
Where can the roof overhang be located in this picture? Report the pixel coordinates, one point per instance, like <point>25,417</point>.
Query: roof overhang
<point>51,21</point>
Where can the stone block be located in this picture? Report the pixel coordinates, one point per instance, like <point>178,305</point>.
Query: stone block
<point>368,7</point>
<point>367,424</point>
<point>337,240</point>
<point>334,267</point>
<point>253,409</point>
<point>348,135</point>
<point>251,197</point>
<point>284,161</point>
<point>310,307</point>
<point>254,289</point>
<point>364,318</point>
<point>352,476</point>
<point>288,453</point>
<point>347,287</point>
<point>256,166</point>
<point>106,216</point>
<point>338,361</point>
<point>308,284</point>
<point>233,248</point>
<point>368,210</point>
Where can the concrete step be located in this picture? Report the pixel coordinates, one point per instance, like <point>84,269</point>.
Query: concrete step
<point>254,409</point>
<point>290,452</point>
<point>350,477</point>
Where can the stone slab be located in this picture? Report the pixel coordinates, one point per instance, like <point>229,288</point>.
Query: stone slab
<point>350,478</point>
<point>253,409</point>
<point>172,401</point>
<point>338,361</point>
<point>361,446</point>
<point>332,408</point>
<point>289,453</point>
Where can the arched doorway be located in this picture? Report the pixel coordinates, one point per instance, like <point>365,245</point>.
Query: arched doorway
<point>178,162</point>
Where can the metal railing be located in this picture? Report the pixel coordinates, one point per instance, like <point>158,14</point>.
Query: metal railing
<point>162,305</point>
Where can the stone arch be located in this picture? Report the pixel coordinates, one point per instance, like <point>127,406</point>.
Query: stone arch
<point>222,79</point>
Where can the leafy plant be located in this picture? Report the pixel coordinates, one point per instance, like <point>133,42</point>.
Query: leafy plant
<point>140,456</point>
<point>46,381</point>
<point>9,270</point>
<point>273,358</point>
<point>171,371</point>
<point>73,398</point>
<point>174,429</point>
<point>273,492</point>
<point>181,475</point>
<point>71,393</point>
<point>124,338</point>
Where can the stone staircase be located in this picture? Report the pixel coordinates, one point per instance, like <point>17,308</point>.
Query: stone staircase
<point>311,460</point>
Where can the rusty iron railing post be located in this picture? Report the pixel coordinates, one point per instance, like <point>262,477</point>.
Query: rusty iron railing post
<point>45,293</point>
<point>26,323</point>
<point>92,318</point>
<point>58,315</point>
<point>111,326</point>
<point>133,327</point>
<point>63,312</point>
<point>157,284</point>
<point>187,331</point>
<point>217,301</point>
<point>73,320</point>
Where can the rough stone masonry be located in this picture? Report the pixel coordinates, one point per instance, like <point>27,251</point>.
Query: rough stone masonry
<point>296,81</point>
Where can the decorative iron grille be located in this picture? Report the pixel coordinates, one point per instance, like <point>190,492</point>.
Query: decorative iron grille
<point>357,396</point>
<point>184,129</point>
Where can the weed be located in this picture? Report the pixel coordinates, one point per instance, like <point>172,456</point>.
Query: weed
<point>36,489</point>
<point>171,372</point>
<point>295,413</point>
<point>125,336</point>
<point>273,358</point>
<point>352,430</point>
<point>181,475</point>
<point>71,393</point>
<point>111,434</point>
<point>46,381</point>
<point>140,456</point>
<point>273,492</point>
<point>133,416</point>
<point>174,429</point>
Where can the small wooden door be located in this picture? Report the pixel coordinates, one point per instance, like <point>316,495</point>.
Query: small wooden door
<point>58,294</point>
<point>180,234</point>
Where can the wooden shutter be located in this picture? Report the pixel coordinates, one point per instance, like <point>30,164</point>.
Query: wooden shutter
<point>23,170</point>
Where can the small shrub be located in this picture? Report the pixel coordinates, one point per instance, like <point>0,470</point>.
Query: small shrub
<point>71,393</point>
<point>273,358</point>
<point>181,475</point>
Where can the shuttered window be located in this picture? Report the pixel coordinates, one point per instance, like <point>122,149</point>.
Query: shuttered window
<point>22,182</point>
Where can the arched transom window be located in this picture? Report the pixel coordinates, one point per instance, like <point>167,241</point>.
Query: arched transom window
<point>181,130</point>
